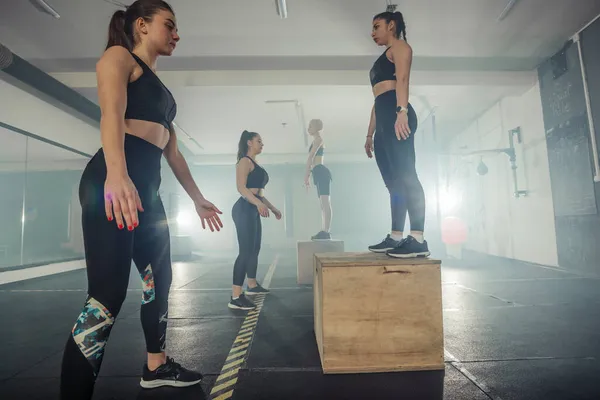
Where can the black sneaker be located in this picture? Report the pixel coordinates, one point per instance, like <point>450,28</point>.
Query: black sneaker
<point>241,303</point>
<point>387,244</point>
<point>169,374</point>
<point>322,236</point>
<point>256,290</point>
<point>410,248</point>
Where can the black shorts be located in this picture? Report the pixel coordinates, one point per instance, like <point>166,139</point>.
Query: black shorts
<point>322,179</point>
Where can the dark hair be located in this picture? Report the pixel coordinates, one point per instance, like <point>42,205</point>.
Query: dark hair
<point>120,29</point>
<point>243,144</point>
<point>397,18</point>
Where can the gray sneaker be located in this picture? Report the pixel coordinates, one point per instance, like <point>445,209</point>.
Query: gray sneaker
<point>387,244</point>
<point>322,236</point>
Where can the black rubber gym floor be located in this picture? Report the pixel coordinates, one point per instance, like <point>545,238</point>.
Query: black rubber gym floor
<point>512,331</point>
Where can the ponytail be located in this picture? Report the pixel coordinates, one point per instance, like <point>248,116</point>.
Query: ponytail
<point>243,144</point>
<point>117,31</point>
<point>400,25</point>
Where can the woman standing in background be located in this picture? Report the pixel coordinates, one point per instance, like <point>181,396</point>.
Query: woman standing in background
<point>251,180</point>
<point>321,177</point>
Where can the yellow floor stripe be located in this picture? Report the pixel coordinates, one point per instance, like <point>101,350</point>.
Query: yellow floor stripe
<point>236,355</point>
<point>239,349</point>
<point>227,374</point>
<point>232,364</point>
<point>224,385</point>
<point>224,396</point>
<point>242,340</point>
<point>245,335</point>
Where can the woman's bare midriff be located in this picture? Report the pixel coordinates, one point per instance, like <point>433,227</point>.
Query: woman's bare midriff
<point>317,161</point>
<point>382,87</point>
<point>151,132</point>
<point>257,192</point>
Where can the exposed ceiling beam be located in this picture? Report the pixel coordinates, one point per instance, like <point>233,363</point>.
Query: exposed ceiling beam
<point>316,78</point>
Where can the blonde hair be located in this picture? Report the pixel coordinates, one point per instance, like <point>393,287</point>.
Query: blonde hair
<point>318,124</point>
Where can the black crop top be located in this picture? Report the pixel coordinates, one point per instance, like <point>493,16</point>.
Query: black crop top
<point>148,99</point>
<point>383,70</point>
<point>319,152</point>
<point>258,177</point>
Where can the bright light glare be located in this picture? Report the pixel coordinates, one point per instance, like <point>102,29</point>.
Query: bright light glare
<point>450,201</point>
<point>185,218</point>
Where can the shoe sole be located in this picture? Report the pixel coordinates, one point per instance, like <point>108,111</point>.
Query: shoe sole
<point>381,250</point>
<point>411,255</point>
<point>159,383</point>
<point>240,308</point>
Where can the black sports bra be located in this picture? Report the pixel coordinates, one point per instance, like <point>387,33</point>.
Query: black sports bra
<point>148,99</point>
<point>319,152</point>
<point>383,70</point>
<point>258,177</point>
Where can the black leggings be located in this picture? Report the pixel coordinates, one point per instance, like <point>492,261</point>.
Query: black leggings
<point>249,233</point>
<point>108,253</point>
<point>396,161</point>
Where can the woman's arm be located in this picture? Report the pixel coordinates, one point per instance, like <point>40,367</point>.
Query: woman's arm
<point>269,205</point>
<point>311,156</point>
<point>180,168</point>
<point>402,59</point>
<point>205,209</point>
<point>121,199</point>
<point>241,177</point>
<point>113,71</point>
<point>372,123</point>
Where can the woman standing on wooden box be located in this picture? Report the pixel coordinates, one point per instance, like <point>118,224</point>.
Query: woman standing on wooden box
<point>395,122</point>
<point>321,177</point>
<point>251,180</point>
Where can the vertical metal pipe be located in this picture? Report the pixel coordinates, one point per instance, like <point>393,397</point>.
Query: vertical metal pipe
<point>24,199</point>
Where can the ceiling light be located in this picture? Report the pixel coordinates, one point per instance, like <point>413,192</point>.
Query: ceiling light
<point>45,8</point>
<point>281,8</point>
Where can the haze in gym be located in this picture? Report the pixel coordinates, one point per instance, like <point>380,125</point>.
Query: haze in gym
<point>507,95</point>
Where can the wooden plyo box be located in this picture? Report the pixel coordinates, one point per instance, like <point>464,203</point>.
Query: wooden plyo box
<point>306,257</point>
<point>374,313</point>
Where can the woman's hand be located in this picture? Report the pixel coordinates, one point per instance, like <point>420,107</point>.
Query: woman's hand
<point>208,212</point>
<point>277,213</point>
<point>307,182</point>
<point>122,201</point>
<point>401,126</point>
<point>263,210</point>
<point>369,146</point>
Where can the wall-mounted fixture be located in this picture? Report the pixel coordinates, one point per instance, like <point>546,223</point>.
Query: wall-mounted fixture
<point>281,8</point>
<point>299,114</point>
<point>482,169</point>
<point>44,7</point>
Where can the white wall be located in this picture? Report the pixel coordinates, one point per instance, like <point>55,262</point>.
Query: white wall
<point>500,224</point>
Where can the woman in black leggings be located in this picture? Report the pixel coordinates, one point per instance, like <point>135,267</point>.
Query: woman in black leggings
<point>251,180</point>
<point>122,214</point>
<point>394,121</point>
